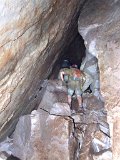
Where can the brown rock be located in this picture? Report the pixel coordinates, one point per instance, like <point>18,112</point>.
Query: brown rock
<point>54,96</point>
<point>116,135</point>
<point>100,142</point>
<point>101,31</point>
<point>33,35</point>
<point>41,136</point>
<point>88,136</point>
<point>92,131</point>
<point>47,134</point>
<point>61,109</point>
<point>104,156</point>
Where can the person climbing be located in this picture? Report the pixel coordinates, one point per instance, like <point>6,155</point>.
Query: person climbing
<point>76,80</point>
<point>64,66</point>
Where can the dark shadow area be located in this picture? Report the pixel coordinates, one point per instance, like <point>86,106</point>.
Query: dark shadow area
<point>12,158</point>
<point>74,54</point>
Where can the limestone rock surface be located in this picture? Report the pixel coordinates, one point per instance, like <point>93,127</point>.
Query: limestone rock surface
<point>99,25</point>
<point>33,34</point>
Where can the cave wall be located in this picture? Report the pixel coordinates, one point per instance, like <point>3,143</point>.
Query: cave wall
<point>33,34</point>
<point>99,25</point>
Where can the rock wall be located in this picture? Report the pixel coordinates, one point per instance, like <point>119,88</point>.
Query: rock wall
<point>99,24</point>
<point>54,132</point>
<point>33,34</point>
<point>46,133</point>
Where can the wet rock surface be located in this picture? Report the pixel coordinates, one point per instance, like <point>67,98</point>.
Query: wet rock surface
<point>51,132</point>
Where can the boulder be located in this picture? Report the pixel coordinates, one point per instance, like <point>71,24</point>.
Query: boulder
<point>99,25</point>
<point>42,136</point>
<point>46,133</point>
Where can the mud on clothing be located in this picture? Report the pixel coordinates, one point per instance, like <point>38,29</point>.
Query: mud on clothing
<point>75,78</point>
<point>74,86</point>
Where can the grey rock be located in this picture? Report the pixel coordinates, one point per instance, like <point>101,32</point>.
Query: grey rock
<point>104,127</point>
<point>62,109</point>
<point>104,156</point>
<point>101,144</point>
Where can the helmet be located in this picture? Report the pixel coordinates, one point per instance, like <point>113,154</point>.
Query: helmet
<point>65,64</point>
<point>74,66</point>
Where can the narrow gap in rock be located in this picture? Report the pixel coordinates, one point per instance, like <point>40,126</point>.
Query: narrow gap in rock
<point>91,129</point>
<point>74,54</point>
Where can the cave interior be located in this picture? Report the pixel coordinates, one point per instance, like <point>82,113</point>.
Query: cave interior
<point>74,53</point>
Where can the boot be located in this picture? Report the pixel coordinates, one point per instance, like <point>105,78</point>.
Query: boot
<point>72,112</point>
<point>81,109</point>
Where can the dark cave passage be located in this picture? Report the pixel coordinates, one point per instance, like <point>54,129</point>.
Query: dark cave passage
<point>74,54</point>
<point>76,51</point>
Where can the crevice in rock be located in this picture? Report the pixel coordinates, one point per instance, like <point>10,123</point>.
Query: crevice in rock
<point>74,54</point>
